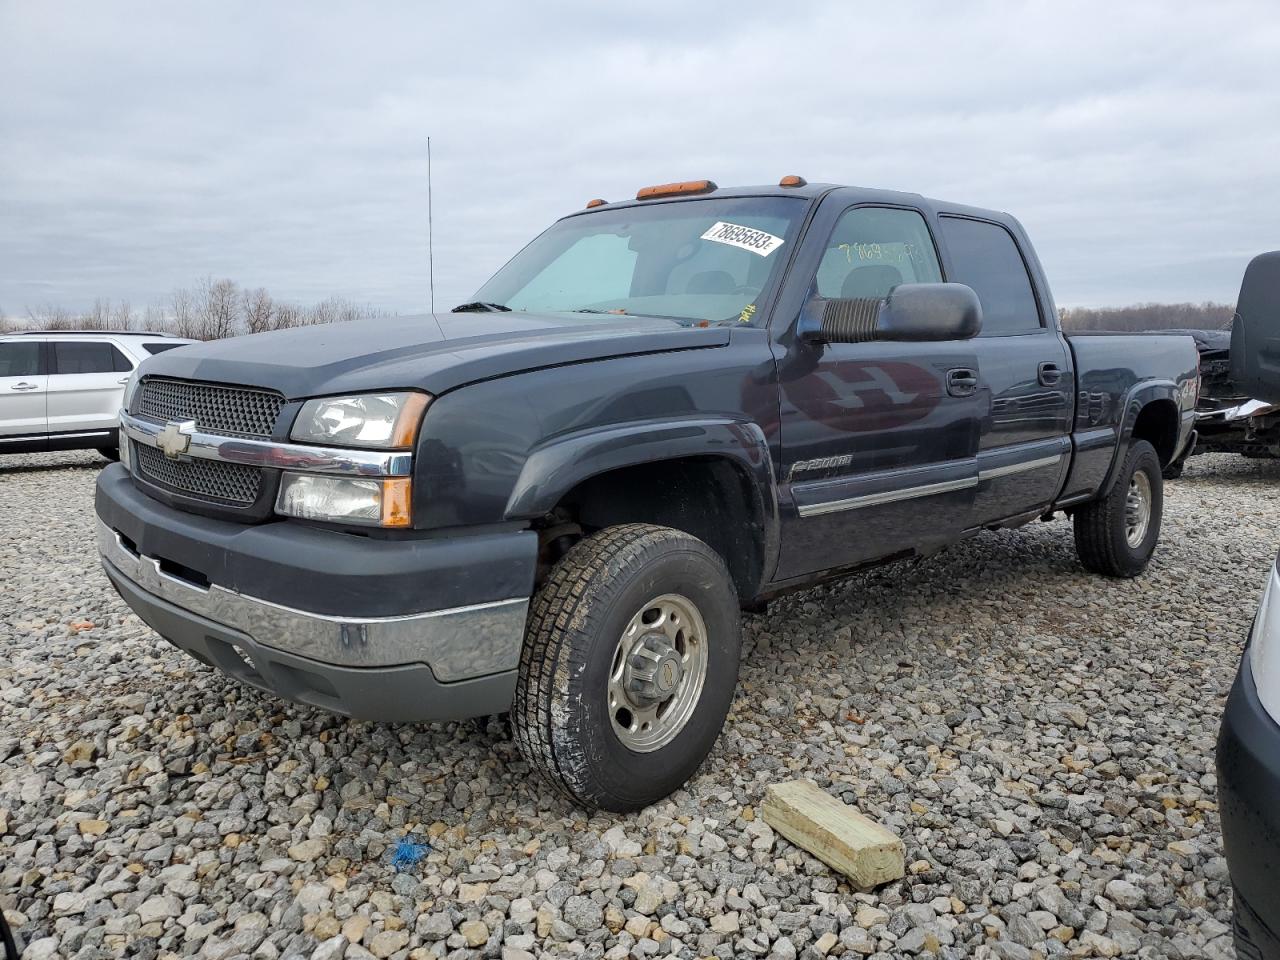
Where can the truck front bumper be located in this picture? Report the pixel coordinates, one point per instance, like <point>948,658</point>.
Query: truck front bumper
<point>390,630</point>
<point>1249,805</point>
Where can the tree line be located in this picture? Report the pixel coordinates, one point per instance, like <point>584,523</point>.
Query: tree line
<point>213,309</point>
<point>208,310</point>
<point>1150,316</point>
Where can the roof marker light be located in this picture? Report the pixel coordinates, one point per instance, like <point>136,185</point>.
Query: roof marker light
<point>791,180</point>
<point>675,189</point>
<point>597,202</point>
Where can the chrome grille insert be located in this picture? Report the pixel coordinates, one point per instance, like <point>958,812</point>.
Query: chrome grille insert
<point>232,411</point>
<point>231,483</point>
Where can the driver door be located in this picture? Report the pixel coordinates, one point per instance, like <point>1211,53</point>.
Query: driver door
<point>879,439</point>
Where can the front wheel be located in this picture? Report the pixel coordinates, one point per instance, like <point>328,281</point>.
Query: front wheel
<point>1116,535</point>
<point>111,453</point>
<point>629,666</point>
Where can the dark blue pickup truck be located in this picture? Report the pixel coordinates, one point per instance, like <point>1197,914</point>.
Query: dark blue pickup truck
<point>555,499</point>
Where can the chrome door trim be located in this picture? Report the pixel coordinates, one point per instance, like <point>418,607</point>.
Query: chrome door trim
<point>1012,468</point>
<point>277,455</point>
<point>887,496</point>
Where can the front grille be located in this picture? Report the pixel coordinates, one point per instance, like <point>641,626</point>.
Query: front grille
<point>228,483</point>
<point>233,411</point>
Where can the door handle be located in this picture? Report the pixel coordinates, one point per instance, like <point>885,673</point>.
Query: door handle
<point>25,386</point>
<point>123,380</point>
<point>962,382</point>
<point>1048,373</point>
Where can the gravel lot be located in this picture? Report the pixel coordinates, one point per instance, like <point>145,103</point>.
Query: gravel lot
<point>1041,739</point>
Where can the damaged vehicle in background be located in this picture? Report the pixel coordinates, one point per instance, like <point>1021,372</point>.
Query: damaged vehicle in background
<point>1249,742</point>
<point>1228,419</point>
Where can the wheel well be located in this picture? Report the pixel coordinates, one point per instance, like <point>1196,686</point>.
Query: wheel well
<point>710,498</point>
<point>1157,424</point>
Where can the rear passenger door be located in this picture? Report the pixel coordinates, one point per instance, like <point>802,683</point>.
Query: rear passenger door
<point>86,385</point>
<point>23,382</point>
<point>1026,367</point>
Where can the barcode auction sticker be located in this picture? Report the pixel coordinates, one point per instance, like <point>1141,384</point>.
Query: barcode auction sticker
<point>746,238</point>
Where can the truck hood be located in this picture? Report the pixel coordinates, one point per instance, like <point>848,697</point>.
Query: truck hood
<point>431,352</point>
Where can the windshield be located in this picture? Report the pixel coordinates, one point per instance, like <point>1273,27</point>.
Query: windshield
<point>698,260</point>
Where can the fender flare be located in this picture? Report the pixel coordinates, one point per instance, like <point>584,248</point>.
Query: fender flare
<point>557,466</point>
<point>1136,398</point>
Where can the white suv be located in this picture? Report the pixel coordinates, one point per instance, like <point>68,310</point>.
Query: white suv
<point>62,390</point>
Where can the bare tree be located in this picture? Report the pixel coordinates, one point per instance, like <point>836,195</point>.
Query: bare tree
<point>1150,316</point>
<point>121,317</point>
<point>288,315</point>
<point>153,319</point>
<point>183,306</point>
<point>52,317</point>
<point>259,310</point>
<point>217,308</point>
<point>99,316</point>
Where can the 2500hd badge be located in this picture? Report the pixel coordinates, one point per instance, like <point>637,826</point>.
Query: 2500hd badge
<point>554,500</point>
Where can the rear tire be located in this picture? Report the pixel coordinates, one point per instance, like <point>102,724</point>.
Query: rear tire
<point>629,666</point>
<point>1117,534</point>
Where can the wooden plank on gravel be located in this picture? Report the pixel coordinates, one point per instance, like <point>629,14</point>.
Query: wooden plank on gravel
<point>834,832</point>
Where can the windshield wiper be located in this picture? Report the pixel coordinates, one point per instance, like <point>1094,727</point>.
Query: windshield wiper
<point>480,306</point>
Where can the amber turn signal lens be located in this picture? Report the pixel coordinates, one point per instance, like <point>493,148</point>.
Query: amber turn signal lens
<point>410,418</point>
<point>597,202</point>
<point>675,189</point>
<point>397,500</point>
<point>791,180</point>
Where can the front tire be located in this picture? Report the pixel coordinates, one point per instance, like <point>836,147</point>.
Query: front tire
<point>111,453</point>
<point>1117,534</point>
<point>629,666</point>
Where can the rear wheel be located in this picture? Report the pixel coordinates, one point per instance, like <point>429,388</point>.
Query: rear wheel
<point>629,666</point>
<point>1116,535</point>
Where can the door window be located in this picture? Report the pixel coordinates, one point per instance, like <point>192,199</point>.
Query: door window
<point>986,258</point>
<point>872,250</point>
<point>20,359</point>
<point>88,357</point>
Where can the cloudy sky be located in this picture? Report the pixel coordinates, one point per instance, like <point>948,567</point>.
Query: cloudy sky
<point>144,145</point>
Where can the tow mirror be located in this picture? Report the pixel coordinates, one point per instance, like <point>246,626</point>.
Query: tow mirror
<point>911,311</point>
<point>1255,331</point>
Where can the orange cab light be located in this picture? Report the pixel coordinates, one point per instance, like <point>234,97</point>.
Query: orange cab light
<point>675,189</point>
<point>397,502</point>
<point>597,202</point>
<point>791,180</point>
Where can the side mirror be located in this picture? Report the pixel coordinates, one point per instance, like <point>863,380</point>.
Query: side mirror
<point>912,311</point>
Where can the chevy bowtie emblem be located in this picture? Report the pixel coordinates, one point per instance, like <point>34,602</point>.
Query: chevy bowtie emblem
<point>175,438</point>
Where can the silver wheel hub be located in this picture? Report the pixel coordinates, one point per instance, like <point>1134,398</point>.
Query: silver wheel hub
<point>1137,509</point>
<point>658,670</point>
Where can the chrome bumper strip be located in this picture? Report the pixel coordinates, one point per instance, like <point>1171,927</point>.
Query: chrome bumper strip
<point>457,644</point>
<point>270,453</point>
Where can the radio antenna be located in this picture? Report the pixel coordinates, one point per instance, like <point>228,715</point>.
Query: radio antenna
<point>431,260</point>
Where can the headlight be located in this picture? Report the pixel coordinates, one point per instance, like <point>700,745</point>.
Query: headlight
<point>1264,647</point>
<point>378,503</point>
<point>383,421</point>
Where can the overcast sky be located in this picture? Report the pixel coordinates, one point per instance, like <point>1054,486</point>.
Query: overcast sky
<point>145,145</point>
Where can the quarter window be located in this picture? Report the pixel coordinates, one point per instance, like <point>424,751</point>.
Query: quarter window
<point>20,359</point>
<point>986,258</point>
<point>88,357</point>
<point>872,250</point>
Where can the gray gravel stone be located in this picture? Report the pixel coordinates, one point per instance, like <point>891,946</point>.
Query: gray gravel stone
<point>1041,739</point>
